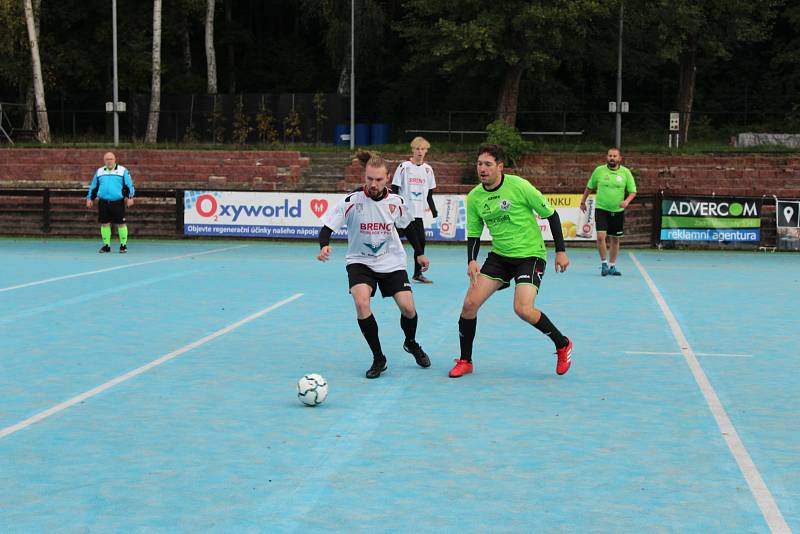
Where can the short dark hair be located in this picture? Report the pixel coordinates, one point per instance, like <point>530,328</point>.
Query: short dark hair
<point>493,150</point>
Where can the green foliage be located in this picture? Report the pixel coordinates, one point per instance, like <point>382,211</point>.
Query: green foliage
<point>241,123</point>
<point>501,133</point>
<point>216,122</point>
<point>291,125</point>
<point>319,115</point>
<point>265,123</point>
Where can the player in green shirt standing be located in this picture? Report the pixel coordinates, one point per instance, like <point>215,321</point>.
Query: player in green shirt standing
<point>508,205</point>
<point>611,181</point>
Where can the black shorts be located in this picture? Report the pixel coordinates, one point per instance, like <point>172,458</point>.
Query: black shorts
<point>390,283</point>
<point>418,226</point>
<point>522,270</point>
<point>610,222</point>
<point>111,211</point>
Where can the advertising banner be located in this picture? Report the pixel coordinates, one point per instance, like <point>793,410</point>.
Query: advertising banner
<point>294,215</point>
<point>575,224</point>
<point>297,215</point>
<point>787,217</point>
<point>720,219</point>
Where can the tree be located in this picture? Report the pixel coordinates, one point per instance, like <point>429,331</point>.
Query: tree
<point>30,100</point>
<point>43,130</point>
<point>687,32</point>
<point>155,88</point>
<point>335,14</point>
<point>211,58</point>
<point>508,42</point>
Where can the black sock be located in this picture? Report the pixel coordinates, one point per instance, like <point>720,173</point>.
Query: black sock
<point>369,327</point>
<point>547,328</point>
<point>409,326</point>
<point>417,267</point>
<point>466,335</point>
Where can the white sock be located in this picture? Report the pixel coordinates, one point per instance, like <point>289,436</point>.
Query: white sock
<point>611,264</point>
<point>605,262</point>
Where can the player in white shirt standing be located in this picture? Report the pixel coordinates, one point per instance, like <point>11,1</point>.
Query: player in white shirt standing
<point>375,256</point>
<point>415,182</point>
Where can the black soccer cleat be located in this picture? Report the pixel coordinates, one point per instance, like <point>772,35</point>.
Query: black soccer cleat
<point>414,348</point>
<point>104,249</point>
<point>378,366</point>
<point>123,249</point>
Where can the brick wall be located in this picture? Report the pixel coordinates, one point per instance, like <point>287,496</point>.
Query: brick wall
<point>258,170</point>
<point>739,174</point>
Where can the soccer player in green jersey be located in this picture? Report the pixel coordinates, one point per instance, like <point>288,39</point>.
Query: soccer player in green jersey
<point>611,181</point>
<point>508,205</point>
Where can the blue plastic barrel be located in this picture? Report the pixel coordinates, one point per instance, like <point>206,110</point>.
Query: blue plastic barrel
<point>342,134</point>
<point>380,133</point>
<point>362,134</point>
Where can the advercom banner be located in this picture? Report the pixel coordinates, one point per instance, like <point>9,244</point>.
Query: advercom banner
<point>721,219</point>
<point>297,215</point>
<point>787,217</point>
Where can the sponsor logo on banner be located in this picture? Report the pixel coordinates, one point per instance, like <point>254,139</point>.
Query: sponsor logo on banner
<point>319,206</point>
<point>722,219</point>
<point>787,218</point>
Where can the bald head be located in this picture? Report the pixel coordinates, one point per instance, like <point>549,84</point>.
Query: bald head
<point>110,160</point>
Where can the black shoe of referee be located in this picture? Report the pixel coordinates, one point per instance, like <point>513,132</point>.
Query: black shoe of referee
<point>123,249</point>
<point>378,366</point>
<point>104,249</point>
<point>414,348</point>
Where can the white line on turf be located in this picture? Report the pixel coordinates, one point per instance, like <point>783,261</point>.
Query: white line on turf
<point>126,266</point>
<point>720,354</point>
<point>769,509</point>
<point>139,370</point>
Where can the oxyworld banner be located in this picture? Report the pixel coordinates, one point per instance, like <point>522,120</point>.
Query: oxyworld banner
<point>294,215</point>
<point>720,219</point>
<point>297,215</point>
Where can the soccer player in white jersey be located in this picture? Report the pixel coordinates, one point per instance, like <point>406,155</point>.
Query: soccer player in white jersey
<point>414,181</point>
<point>375,256</point>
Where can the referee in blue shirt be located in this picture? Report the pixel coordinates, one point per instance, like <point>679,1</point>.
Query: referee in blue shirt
<point>113,188</point>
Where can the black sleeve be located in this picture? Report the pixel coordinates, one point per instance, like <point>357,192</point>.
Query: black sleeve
<point>473,246</point>
<point>431,204</point>
<point>325,236</point>
<point>395,189</point>
<point>555,229</point>
<point>414,240</point>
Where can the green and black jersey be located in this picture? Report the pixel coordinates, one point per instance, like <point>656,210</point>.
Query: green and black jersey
<point>508,212</point>
<point>611,186</point>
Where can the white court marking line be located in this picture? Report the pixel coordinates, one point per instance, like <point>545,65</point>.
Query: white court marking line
<point>127,265</point>
<point>769,509</point>
<point>721,354</point>
<point>139,370</point>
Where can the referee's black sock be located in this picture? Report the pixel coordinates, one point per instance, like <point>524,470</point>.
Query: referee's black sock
<point>409,326</point>
<point>547,328</point>
<point>466,335</point>
<point>369,327</point>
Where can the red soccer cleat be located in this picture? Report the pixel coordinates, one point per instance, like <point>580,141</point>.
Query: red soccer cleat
<point>564,358</point>
<point>463,367</point>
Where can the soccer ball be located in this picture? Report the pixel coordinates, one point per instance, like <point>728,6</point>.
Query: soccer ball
<point>312,389</point>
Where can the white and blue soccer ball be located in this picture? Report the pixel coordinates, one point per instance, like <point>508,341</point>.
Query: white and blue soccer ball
<point>312,389</point>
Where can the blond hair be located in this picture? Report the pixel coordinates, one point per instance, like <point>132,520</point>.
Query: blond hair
<point>420,142</point>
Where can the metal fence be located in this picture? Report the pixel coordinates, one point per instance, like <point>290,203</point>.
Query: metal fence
<point>241,119</point>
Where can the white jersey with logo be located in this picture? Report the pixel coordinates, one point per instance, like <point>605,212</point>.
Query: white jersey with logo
<point>372,238</point>
<point>414,181</point>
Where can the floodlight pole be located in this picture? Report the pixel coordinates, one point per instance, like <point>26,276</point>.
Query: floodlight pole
<point>618,138</point>
<point>352,74</point>
<point>116,80</point>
